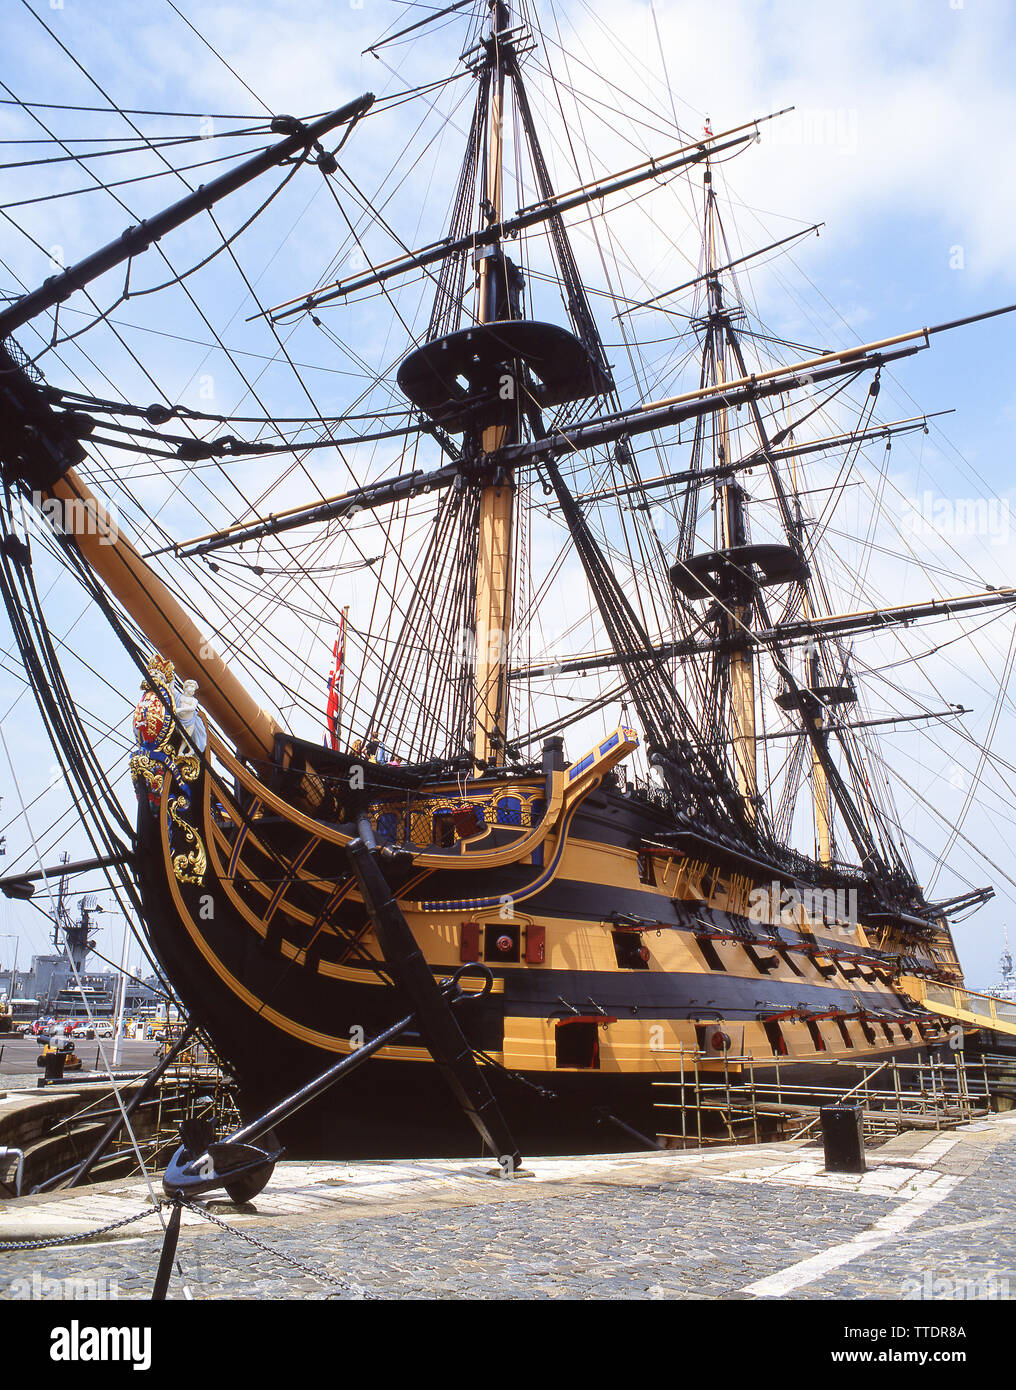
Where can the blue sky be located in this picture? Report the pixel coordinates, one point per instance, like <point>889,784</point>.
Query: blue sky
<point>901,143</point>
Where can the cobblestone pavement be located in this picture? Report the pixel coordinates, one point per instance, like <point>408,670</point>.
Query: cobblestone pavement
<point>933,1218</point>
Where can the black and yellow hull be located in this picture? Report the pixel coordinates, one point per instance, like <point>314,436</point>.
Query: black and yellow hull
<point>617,962</point>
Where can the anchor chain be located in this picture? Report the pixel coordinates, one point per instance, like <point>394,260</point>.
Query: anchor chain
<point>318,1274</point>
<point>80,1235</point>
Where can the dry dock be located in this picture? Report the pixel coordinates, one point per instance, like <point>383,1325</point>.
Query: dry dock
<point>933,1218</point>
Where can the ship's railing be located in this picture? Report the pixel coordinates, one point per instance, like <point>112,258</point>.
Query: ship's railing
<point>562,791</point>
<point>731,1105</point>
<point>422,820</point>
<point>784,858</point>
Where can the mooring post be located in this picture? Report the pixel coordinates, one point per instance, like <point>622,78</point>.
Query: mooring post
<point>54,1067</point>
<point>843,1138</point>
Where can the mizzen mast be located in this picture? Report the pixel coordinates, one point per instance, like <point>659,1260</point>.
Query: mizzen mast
<point>821,794</point>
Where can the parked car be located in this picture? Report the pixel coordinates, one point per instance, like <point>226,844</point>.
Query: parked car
<point>83,1030</point>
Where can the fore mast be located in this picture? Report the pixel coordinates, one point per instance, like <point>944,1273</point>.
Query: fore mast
<point>497,298</point>
<point>491,375</point>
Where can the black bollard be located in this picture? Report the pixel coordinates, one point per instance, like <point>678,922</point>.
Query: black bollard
<point>54,1064</point>
<point>843,1138</point>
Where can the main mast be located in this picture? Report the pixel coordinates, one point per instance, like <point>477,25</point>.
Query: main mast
<point>735,622</point>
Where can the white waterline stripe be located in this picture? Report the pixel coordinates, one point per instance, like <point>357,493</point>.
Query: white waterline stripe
<point>884,1229</point>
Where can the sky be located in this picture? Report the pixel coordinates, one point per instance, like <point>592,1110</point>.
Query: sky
<point>900,143</point>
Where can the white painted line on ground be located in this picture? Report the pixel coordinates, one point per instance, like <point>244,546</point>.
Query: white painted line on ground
<point>885,1229</point>
<point>934,1149</point>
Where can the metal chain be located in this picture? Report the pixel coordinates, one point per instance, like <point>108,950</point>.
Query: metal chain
<point>318,1274</point>
<point>81,1235</point>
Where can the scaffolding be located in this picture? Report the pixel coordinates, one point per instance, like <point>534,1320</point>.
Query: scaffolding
<point>732,1105</point>
<point>194,1086</point>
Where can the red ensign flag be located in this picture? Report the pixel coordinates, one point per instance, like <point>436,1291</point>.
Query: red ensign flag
<point>334,680</point>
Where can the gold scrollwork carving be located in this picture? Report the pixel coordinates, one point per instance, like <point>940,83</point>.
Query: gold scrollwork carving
<point>162,750</point>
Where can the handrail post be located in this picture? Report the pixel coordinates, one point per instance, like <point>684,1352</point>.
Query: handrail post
<point>684,1105</point>
<point>698,1099</point>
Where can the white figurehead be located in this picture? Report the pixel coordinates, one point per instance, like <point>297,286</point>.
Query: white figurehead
<point>187,713</point>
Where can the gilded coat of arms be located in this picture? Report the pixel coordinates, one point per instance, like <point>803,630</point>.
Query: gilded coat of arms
<point>163,748</point>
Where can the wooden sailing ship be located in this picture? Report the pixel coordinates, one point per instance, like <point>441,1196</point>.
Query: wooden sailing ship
<point>637,901</point>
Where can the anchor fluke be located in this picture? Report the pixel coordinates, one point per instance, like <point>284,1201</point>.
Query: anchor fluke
<point>243,1170</point>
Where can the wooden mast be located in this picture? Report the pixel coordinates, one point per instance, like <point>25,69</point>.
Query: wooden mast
<point>493,613</point>
<point>740,661</point>
<point>819,780</point>
<point>820,790</point>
